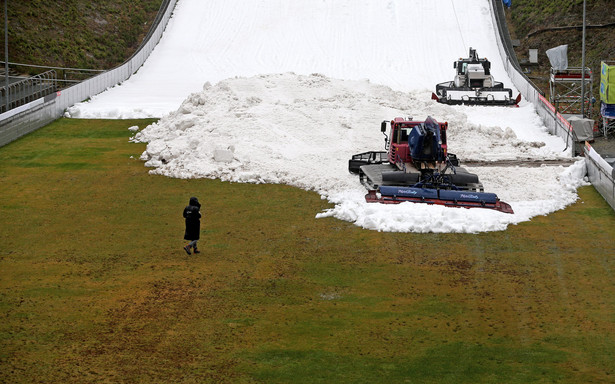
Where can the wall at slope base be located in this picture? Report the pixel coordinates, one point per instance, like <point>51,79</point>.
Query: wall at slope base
<point>15,124</point>
<point>600,173</point>
<point>26,120</point>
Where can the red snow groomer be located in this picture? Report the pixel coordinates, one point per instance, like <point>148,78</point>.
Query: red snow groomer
<point>474,85</point>
<point>418,168</point>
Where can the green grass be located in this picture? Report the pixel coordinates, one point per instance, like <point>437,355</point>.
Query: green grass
<point>94,285</point>
<point>473,363</point>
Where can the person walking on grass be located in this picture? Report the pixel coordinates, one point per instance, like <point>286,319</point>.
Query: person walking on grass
<point>192,215</point>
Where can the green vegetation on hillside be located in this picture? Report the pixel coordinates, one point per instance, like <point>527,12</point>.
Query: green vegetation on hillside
<point>535,17</point>
<point>76,33</point>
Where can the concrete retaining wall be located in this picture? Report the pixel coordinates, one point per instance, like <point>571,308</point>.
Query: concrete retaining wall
<point>19,122</point>
<point>601,174</point>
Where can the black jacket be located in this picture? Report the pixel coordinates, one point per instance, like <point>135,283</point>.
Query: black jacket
<point>193,219</point>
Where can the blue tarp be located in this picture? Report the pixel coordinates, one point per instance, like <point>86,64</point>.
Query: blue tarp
<point>507,3</point>
<point>607,110</point>
<point>424,141</point>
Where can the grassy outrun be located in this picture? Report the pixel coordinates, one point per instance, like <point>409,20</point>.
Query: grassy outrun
<point>95,286</point>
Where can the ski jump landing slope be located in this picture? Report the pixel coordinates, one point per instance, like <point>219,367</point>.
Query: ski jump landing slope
<point>407,45</point>
<point>287,91</point>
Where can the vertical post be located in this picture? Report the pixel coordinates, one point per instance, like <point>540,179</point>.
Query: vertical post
<point>6,52</point>
<point>583,66</point>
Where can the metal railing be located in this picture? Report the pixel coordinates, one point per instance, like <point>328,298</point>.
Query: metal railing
<point>29,89</point>
<point>66,76</point>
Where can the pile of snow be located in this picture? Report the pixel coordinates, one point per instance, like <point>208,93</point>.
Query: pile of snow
<point>302,129</point>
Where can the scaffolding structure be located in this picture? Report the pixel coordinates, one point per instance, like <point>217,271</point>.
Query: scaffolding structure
<point>566,91</point>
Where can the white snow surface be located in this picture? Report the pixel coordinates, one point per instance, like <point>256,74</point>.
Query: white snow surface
<point>407,45</point>
<point>263,91</point>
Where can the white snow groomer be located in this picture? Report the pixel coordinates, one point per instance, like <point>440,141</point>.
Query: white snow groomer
<point>474,85</point>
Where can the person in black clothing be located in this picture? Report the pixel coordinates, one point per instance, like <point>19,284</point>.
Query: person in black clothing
<point>192,215</point>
